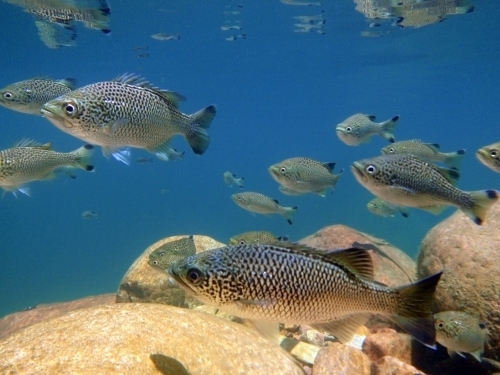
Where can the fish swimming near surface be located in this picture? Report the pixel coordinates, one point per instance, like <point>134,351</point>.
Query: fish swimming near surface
<point>30,161</point>
<point>460,333</point>
<point>253,237</point>
<point>230,179</point>
<point>90,215</point>
<point>490,156</point>
<point>128,112</point>
<point>30,95</point>
<point>162,257</point>
<point>305,175</point>
<point>426,151</point>
<point>380,207</point>
<point>359,128</point>
<point>259,203</point>
<point>406,181</point>
<point>328,290</point>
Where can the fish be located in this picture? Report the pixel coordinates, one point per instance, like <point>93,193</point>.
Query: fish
<point>460,333</point>
<point>305,175</point>
<point>168,365</point>
<point>143,160</point>
<point>382,208</point>
<point>172,154</point>
<point>90,215</point>
<point>359,128</point>
<point>146,117</point>
<point>301,3</point>
<point>232,38</point>
<point>162,257</point>
<point>166,36</point>
<point>490,156</point>
<point>331,290</point>
<point>406,181</point>
<point>231,27</point>
<point>426,151</point>
<point>31,161</point>
<point>259,203</point>
<point>30,95</point>
<point>310,19</point>
<point>255,237</point>
<point>230,179</point>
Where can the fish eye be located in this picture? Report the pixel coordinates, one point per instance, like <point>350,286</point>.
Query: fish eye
<point>282,169</point>
<point>391,150</point>
<point>371,169</point>
<point>440,324</point>
<point>494,154</point>
<point>348,129</point>
<point>482,325</point>
<point>69,108</point>
<point>194,275</point>
<point>242,242</point>
<point>162,253</point>
<point>7,95</point>
<point>155,262</point>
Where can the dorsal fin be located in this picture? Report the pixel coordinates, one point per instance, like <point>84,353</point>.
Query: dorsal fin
<point>451,174</point>
<point>329,166</point>
<point>276,201</point>
<point>371,117</point>
<point>136,80</point>
<point>26,142</point>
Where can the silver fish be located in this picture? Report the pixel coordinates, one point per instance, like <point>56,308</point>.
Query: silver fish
<point>380,207</point>
<point>329,290</point>
<point>490,156</point>
<point>253,237</point>
<point>90,215</point>
<point>128,112</point>
<point>259,203</point>
<point>165,36</point>
<point>230,179</point>
<point>359,128</point>
<point>406,181</point>
<point>30,95</point>
<point>460,333</point>
<point>30,161</point>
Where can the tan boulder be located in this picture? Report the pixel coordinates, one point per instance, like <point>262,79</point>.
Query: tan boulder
<point>388,342</point>
<point>393,366</point>
<point>119,339</point>
<point>143,283</point>
<point>341,359</point>
<point>469,255</point>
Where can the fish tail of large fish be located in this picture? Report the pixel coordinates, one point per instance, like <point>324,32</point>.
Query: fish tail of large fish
<point>83,157</point>
<point>288,213</point>
<point>453,159</point>
<point>196,134</point>
<point>483,200</point>
<point>414,312</point>
<point>387,128</point>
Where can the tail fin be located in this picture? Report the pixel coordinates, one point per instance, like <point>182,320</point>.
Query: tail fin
<point>83,155</point>
<point>197,135</point>
<point>289,212</point>
<point>483,200</point>
<point>453,159</point>
<point>414,315</point>
<point>387,129</point>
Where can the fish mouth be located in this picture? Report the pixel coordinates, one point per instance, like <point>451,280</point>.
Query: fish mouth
<point>482,153</point>
<point>55,119</point>
<point>174,274</point>
<point>357,169</point>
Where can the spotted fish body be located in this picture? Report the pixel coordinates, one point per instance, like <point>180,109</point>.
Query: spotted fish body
<point>460,333</point>
<point>490,156</point>
<point>425,151</point>
<point>359,128</point>
<point>406,181</point>
<point>304,175</point>
<point>128,112</point>
<point>30,95</point>
<point>172,251</point>
<point>259,203</point>
<point>30,161</point>
<point>331,290</point>
<point>254,237</point>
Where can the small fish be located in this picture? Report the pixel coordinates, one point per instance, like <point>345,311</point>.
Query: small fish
<point>172,155</point>
<point>168,365</point>
<point>374,33</point>
<point>171,252</point>
<point>259,203</point>
<point>231,27</point>
<point>165,36</point>
<point>232,38</point>
<point>140,48</point>
<point>305,175</point>
<point>359,128</point>
<point>231,12</point>
<point>30,161</point>
<point>382,208</point>
<point>406,181</point>
<point>143,55</point>
<point>90,215</point>
<point>255,237</point>
<point>146,118</point>
<point>164,191</point>
<point>230,179</point>
<point>460,333</point>
<point>143,160</point>
<point>311,19</point>
<point>30,95</point>
<point>301,3</point>
<point>331,290</point>
<point>311,26</point>
<point>490,156</point>
<point>426,151</point>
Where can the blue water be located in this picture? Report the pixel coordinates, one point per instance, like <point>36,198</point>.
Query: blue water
<point>279,94</point>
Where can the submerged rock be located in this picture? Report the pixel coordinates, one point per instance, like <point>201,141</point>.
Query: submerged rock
<point>388,342</point>
<point>341,359</point>
<point>392,366</point>
<point>469,255</point>
<point>144,283</point>
<point>120,338</point>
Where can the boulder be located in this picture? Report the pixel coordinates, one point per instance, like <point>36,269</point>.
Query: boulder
<point>143,283</point>
<point>388,342</point>
<point>341,359</point>
<point>119,339</point>
<point>392,366</point>
<point>469,255</point>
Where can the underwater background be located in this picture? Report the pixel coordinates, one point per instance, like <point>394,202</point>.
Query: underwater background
<point>278,93</point>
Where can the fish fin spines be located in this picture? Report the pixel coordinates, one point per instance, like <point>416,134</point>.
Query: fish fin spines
<point>483,200</point>
<point>70,82</point>
<point>414,314</point>
<point>197,136</point>
<point>356,260</point>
